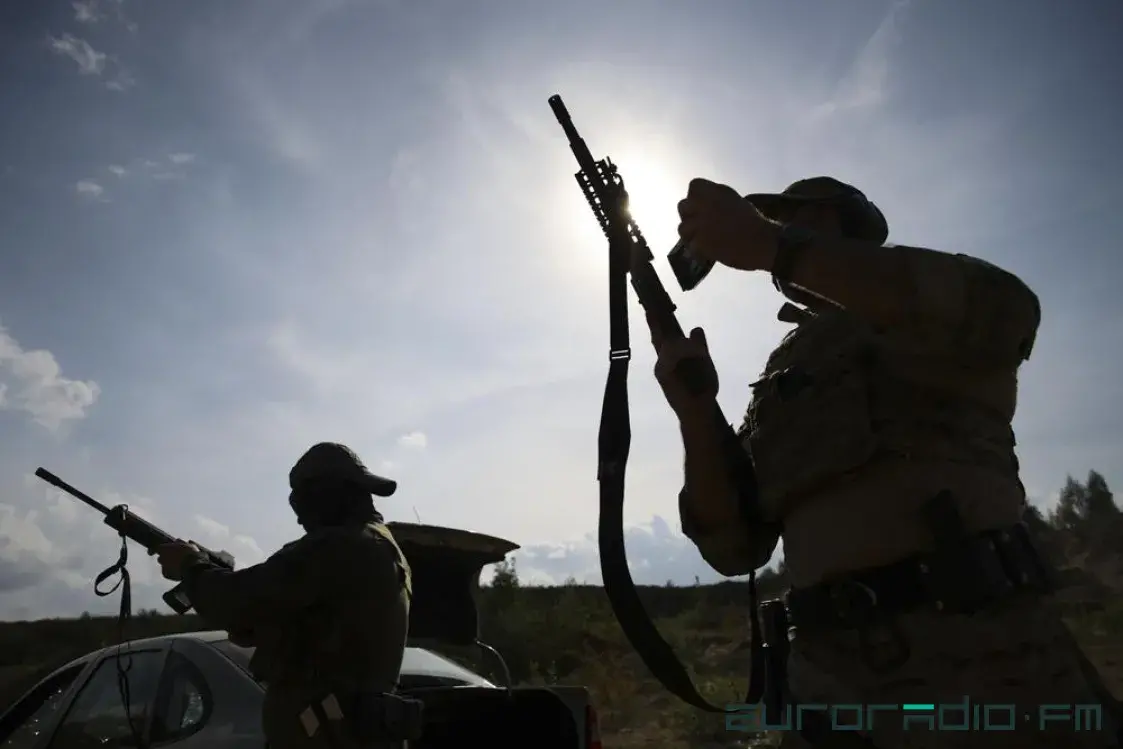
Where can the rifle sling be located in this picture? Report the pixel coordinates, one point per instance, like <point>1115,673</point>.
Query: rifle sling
<point>614,442</point>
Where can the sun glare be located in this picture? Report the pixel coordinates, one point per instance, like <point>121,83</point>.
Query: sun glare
<point>654,189</point>
<point>653,196</point>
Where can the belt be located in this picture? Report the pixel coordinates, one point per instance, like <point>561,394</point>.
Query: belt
<point>963,577</point>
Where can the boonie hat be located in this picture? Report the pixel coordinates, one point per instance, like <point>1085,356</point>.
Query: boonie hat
<point>861,218</point>
<point>331,460</point>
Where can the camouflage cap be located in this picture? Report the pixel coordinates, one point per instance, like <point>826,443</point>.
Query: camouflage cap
<point>331,460</point>
<point>861,217</point>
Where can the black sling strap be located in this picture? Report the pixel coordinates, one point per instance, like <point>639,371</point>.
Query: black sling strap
<point>614,444</point>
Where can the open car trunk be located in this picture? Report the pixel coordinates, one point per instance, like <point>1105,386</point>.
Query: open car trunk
<point>446,564</point>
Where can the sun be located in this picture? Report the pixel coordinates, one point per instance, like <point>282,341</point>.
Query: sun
<point>654,190</point>
<point>655,184</point>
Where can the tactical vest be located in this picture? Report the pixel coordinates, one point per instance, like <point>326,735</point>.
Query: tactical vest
<point>837,395</point>
<point>296,648</point>
<point>404,571</point>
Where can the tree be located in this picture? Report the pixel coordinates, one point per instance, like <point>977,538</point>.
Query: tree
<point>506,576</point>
<point>1099,503</point>
<point>1086,510</point>
<point>1035,519</point>
<point>1067,514</point>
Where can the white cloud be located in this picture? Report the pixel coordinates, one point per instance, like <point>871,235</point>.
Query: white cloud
<point>90,61</point>
<point>33,383</point>
<point>866,82</point>
<point>122,80</point>
<point>118,170</point>
<point>93,11</point>
<point>215,535</point>
<point>250,545</point>
<point>181,158</point>
<point>413,440</point>
<point>89,188</point>
<point>212,528</point>
<point>85,11</point>
<point>657,552</point>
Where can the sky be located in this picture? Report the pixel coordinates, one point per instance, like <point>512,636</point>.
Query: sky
<point>229,230</point>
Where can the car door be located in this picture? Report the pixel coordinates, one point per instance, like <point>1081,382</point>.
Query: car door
<point>206,689</point>
<point>115,704</point>
<point>32,718</point>
<point>169,699</point>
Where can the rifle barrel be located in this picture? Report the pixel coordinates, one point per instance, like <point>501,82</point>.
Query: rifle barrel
<point>58,483</point>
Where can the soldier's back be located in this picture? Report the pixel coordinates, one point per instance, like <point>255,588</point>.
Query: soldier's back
<point>351,642</point>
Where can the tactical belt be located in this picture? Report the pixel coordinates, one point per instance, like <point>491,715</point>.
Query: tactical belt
<point>964,578</point>
<point>365,719</point>
<point>964,575</point>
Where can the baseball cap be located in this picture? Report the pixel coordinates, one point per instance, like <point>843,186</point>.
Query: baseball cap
<point>331,460</point>
<point>861,217</point>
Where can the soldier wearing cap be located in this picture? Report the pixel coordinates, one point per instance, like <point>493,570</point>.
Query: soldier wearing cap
<point>328,614</point>
<point>880,430</point>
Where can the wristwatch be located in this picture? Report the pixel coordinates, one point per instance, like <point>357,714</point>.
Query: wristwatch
<point>791,240</point>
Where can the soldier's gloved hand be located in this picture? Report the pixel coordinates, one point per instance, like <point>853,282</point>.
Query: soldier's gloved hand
<point>175,557</point>
<point>670,353</point>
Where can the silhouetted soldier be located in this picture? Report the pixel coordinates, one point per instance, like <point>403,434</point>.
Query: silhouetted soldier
<point>881,434</point>
<point>328,613</point>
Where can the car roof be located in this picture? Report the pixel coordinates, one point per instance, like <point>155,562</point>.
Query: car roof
<point>433,664</point>
<point>208,636</point>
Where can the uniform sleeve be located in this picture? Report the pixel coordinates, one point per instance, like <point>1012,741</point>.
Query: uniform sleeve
<point>290,581</point>
<point>736,548</point>
<point>972,310</point>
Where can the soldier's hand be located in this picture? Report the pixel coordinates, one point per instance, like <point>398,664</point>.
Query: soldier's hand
<point>720,225</point>
<point>670,355</point>
<point>175,557</point>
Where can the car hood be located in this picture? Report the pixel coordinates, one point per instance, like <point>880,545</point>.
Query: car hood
<point>446,565</point>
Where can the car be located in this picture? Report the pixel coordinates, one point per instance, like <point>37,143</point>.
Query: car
<point>195,690</point>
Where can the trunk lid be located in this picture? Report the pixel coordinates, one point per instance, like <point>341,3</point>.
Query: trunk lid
<point>446,564</point>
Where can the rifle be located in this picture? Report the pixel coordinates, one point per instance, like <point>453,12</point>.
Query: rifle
<point>138,530</point>
<point>629,255</point>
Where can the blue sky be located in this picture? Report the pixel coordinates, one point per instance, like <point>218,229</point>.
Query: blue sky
<point>230,230</point>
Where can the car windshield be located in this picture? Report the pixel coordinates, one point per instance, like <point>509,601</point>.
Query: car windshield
<point>415,662</point>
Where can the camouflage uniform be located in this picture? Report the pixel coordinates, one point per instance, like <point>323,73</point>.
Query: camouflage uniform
<point>328,613</point>
<point>852,428</point>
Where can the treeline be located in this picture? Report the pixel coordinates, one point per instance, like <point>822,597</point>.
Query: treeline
<point>1084,508</point>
